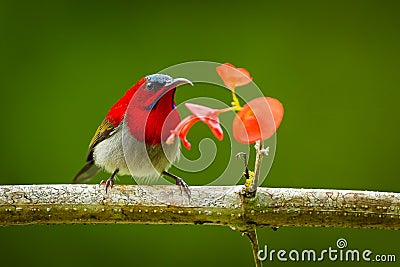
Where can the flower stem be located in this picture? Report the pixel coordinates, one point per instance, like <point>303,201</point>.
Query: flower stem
<point>235,102</point>
<point>257,166</point>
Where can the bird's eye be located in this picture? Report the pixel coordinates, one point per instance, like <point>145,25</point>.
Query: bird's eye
<point>149,86</point>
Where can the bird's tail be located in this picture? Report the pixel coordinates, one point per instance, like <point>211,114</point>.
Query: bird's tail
<point>86,173</point>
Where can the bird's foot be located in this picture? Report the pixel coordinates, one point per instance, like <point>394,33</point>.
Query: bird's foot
<point>109,183</point>
<point>179,182</point>
<point>182,185</point>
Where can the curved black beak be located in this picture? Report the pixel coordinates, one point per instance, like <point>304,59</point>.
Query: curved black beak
<point>176,82</point>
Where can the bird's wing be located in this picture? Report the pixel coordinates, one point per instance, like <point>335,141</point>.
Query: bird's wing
<point>105,130</point>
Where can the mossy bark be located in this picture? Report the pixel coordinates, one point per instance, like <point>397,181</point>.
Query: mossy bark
<point>217,205</point>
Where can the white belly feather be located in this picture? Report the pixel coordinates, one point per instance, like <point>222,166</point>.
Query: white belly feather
<point>122,151</point>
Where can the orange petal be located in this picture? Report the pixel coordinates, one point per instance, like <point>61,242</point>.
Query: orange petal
<point>257,120</point>
<point>232,76</point>
<point>215,128</point>
<point>182,130</point>
<point>209,116</point>
<point>199,110</point>
<point>186,124</point>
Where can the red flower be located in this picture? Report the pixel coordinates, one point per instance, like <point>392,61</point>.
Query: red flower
<point>199,113</point>
<point>182,130</point>
<point>233,76</point>
<point>257,120</point>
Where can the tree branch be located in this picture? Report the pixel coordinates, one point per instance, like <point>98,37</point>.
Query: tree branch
<point>219,205</point>
<point>252,235</point>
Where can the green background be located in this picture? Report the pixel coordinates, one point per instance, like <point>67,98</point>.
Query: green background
<point>333,64</point>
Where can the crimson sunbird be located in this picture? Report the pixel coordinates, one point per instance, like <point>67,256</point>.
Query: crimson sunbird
<point>131,138</point>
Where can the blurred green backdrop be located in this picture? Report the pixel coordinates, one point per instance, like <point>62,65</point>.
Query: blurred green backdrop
<point>333,64</point>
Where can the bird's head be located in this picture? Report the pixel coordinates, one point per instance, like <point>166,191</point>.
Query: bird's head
<point>151,114</point>
<point>152,92</point>
<point>149,108</point>
<point>158,87</point>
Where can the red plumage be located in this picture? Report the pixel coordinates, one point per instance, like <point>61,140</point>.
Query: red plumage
<point>117,112</point>
<point>150,125</point>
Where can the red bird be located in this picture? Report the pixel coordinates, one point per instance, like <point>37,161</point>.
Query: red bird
<point>131,139</point>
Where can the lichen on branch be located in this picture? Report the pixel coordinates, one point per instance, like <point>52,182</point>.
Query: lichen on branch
<point>216,205</point>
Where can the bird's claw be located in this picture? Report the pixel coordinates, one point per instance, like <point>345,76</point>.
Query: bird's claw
<point>180,182</point>
<point>182,185</point>
<point>109,183</point>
